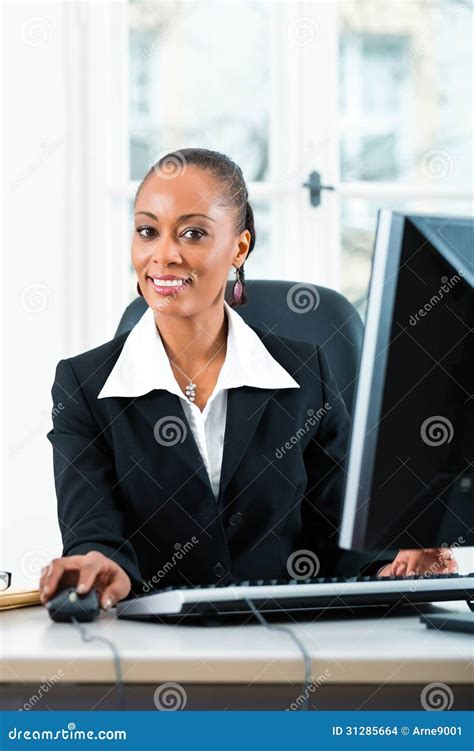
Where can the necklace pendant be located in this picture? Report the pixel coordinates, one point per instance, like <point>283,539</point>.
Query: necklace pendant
<point>191,391</point>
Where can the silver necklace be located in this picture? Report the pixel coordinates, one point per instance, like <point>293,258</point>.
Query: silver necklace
<point>191,387</point>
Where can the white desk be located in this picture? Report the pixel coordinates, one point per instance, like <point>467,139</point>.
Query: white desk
<point>367,663</point>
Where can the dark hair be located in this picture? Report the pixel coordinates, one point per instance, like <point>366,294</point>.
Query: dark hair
<point>233,190</point>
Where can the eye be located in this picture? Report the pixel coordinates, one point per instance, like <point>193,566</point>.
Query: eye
<point>200,232</point>
<point>146,229</point>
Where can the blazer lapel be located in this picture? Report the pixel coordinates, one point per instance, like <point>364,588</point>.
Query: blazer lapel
<point>245,408</point>
<point>174,430</point>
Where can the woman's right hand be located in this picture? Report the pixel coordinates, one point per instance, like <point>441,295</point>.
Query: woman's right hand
<point>90,571</point>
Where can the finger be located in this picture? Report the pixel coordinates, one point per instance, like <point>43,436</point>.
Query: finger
<point>63,570</point>
<point>45,574</point>
<point>452,566</point>
<point>446,566</point>
<point>413,562</point>
<point>112,594</point>
<point>49,574</point>
<point>90,572</point>
<point>448,561</point>
<point>446,553</point>
<point>117,588</point>
<point>400,562</point>
<point>400,568</point>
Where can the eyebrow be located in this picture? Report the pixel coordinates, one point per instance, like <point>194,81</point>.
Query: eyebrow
<point>181,218</point>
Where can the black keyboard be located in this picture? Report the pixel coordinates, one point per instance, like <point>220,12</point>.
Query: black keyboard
<point>277,595</point>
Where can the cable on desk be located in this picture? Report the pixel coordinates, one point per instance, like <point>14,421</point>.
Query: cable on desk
<point>308,672</point>
<point>117,664</point>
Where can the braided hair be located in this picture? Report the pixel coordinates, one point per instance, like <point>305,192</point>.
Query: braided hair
<point>233,190</point>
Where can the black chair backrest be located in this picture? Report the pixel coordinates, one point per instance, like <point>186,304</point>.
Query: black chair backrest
<point>300,311</point>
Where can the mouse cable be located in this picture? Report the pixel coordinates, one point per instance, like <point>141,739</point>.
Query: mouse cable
<point>308,672</point>
<point>117,664</point>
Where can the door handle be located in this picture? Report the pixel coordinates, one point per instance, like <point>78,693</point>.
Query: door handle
<point>315,188</point>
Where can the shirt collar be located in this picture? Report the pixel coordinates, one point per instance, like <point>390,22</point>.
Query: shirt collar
<point>143,364</point>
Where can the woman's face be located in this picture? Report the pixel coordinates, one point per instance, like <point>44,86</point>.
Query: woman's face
<point>180,230</point>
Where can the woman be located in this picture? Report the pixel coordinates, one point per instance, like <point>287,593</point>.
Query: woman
<point>168,457</point>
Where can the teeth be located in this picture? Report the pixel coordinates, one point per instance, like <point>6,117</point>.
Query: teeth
<point>168,282</point>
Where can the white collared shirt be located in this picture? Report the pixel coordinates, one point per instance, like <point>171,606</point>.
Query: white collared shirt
<point>143,366</point>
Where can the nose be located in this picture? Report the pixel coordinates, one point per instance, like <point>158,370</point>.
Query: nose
<point>166,251</point>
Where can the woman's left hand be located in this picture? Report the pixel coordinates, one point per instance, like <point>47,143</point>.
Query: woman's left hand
<point>429,561</point>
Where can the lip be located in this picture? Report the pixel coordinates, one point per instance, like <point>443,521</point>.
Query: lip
<point>167,277</point>
<point>154,281</point>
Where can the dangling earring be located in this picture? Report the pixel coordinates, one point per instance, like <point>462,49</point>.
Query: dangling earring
<point>139,290</point>
<point>238,288</point>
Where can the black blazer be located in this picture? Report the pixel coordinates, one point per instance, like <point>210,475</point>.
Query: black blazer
<point>150,506</point>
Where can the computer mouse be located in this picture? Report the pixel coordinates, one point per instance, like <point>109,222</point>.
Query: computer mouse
<point>67,604</point>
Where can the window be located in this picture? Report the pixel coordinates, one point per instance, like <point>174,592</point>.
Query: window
<point>405,119</point>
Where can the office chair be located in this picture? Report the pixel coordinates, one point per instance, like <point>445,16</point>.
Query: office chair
<point>329,320</point>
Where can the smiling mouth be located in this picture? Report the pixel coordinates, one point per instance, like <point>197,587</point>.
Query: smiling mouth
<point>170,282</point>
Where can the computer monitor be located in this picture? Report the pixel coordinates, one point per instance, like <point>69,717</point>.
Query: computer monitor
<point>410,479</point>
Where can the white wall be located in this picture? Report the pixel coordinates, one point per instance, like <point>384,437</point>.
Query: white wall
<point>33,278</point>
<point>64,73</point>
